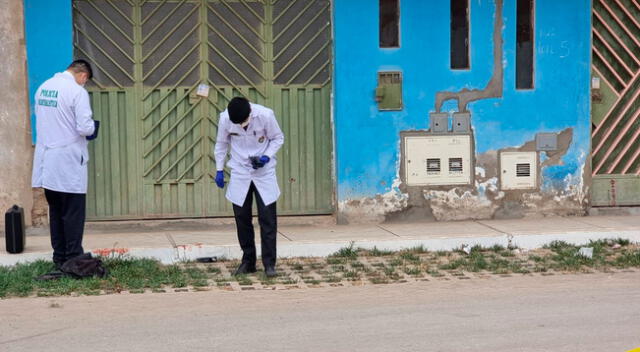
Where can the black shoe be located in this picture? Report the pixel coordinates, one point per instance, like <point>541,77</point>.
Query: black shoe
<point>270,271</point>
<point>245,268</point>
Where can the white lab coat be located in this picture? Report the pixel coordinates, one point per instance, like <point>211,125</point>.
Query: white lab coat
<point>262,137</point>
<point>63,120</point>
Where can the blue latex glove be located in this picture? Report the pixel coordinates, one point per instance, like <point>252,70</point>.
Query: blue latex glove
<point>96,123</point>
<point>220,179</point>
<point>259,162</point>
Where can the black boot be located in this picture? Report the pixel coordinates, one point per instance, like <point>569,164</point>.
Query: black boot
<point>270,271</point>
<point>245,268</point>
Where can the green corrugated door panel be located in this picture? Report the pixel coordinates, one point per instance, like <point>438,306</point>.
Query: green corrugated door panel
<point>154,157</point>
<point>615,107</point>
<point>113,165</point>
<point>301,32</point>
<point>173,154</point>
<point>114,174</point>
<point>293,38</point>
<point>389,91</point>
<point>616,190</point>
<point>304,164</point>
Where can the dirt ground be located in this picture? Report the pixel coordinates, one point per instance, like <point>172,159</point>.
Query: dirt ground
<point>573,312</point>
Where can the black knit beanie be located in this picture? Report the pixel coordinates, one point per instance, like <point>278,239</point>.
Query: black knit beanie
<point>238,109</point>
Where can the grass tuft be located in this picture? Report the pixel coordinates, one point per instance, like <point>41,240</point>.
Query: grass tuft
<point>375,252</point>
<point>409,256</point>
<point>421,249</point>
<point>124,274</point>
<point>347,252</point>
<point>415,271</point>
<point>349,263</point>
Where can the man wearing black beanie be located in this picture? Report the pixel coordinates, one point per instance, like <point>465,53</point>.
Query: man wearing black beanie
<point>253,133</point>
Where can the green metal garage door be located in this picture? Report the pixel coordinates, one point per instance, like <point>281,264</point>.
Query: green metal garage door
<point>154,156</point>
<point>616,103</point>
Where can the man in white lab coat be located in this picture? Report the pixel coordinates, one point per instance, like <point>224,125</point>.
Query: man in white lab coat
<point>64,125</point>
<point>253,133</point>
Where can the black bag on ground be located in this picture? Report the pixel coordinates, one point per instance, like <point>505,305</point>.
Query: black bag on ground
<point>53,275</point>
<point>83,266</point>
<point>14,229</point>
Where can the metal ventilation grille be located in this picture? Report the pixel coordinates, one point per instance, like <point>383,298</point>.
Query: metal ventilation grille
<point>104,35</point>
<point>389,77</point>
<point>170,43</point>
<point>236,42</point>
<point>301,41</point>
<point>433,166</point>
<point>523,170</point>
<point>616,60</point>
<point>455,165</point>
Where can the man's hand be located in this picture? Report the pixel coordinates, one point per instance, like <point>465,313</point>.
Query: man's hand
<point>220,179</point>
<point>259,162</point>
<point>93,136</point>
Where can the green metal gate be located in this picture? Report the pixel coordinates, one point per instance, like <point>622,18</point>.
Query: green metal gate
<point>616,103</point>
<point>154,157</point>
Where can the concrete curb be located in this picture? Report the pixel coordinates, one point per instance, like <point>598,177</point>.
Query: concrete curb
<point>171,255</point>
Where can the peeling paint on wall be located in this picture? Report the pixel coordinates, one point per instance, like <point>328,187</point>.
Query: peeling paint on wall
<point>484,200</point>
<point>495,85</point>
<point>503,119</point>
<point>457,204</point>
<point>373,209</point>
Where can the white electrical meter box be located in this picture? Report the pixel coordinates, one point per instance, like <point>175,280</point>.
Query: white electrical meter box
<point>518,170</point>
<point>437,160</point>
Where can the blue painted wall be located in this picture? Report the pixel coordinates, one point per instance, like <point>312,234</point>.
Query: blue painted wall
<point>49,38</point>
<point>367,140</point>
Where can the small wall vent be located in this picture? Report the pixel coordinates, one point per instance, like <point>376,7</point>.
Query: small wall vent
<point>519,170</point>
<point>455,165</point>
<point>523,170</point>
<point>433,166</point>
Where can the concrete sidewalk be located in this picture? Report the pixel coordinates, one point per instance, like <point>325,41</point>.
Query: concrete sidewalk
<point>172,241</point>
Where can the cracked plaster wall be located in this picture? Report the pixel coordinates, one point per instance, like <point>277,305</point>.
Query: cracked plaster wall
<point>368,178</point>
<point>15,130</point>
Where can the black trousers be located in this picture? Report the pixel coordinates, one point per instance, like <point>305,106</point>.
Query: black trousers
<point>66,222</point>
<point>267,219</point>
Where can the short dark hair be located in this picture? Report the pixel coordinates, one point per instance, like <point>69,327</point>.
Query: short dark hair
<point>238,109</point>
<point>81,65</point>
